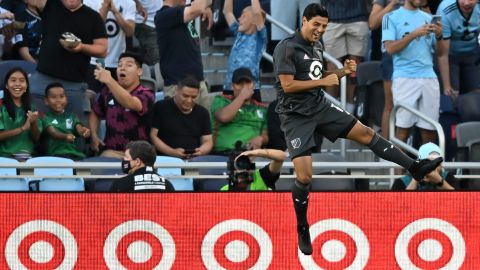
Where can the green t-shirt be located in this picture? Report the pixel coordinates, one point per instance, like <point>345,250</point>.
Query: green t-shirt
<point>258,183</point>
<point>64,123</point>
<point>20,143</point>
<point>248,123</point>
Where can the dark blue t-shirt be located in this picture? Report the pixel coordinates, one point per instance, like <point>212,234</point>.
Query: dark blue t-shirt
<point>178,45</point>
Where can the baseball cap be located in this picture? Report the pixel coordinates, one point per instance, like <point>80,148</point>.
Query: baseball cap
<point>242,73</point>
<point>425,150</point>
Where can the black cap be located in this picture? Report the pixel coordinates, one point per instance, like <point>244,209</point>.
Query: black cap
<point>242,73</point>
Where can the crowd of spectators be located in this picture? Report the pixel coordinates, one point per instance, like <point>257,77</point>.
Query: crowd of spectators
<point>81,45</point>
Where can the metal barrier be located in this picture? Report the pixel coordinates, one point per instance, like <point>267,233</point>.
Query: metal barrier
<point>409,148</point>
<point>191,169</point>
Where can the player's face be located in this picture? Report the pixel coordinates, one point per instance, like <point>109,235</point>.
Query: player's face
<point>17,85</point>
<point>56,99</point>
<point>417,3</point>
<point>466,6</point>
<point>128,72</point>
<point>185,98</point>
<point>313,29</point>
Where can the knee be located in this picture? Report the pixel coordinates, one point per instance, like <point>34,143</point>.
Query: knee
<point>366,135</point>
<point>304,177</point>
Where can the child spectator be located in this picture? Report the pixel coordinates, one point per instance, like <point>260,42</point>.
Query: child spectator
<point>19,125</point>
<point>61,126</point>
<point>250,41</point>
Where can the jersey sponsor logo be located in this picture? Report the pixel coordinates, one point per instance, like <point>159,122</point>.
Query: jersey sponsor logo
<point>315,70</point>
<point>296,143</point>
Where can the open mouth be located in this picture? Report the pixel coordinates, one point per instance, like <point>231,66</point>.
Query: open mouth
<point>122,75</point>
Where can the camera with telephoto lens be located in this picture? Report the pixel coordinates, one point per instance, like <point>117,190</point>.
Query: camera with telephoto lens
<point>239,167</point>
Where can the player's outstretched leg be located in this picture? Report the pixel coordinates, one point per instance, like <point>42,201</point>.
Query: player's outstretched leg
<point>386,150</point>
<point>300,193</point>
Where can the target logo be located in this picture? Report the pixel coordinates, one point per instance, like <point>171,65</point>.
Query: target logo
<point>237,243</point>
<point>430,243</point>
<point>112,28</point>
<point>343,246</point>
<point>139,244</point>
<point>41,244</point>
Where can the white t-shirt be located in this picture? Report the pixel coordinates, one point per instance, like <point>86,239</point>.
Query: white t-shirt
<point>115,34</point>
<point>151,6</point>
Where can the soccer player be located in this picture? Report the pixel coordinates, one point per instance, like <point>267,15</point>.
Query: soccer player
<point>304,111</point>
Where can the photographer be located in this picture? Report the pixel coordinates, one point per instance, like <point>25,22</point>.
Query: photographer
<point>244,176</point>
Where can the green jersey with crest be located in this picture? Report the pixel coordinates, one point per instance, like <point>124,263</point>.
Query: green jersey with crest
<point>64,123</point>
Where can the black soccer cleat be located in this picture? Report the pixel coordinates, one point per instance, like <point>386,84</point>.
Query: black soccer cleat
<point>304,242</point>
<point>422,167</point>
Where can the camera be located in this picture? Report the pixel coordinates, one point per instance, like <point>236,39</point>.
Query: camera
<point>239,167</point>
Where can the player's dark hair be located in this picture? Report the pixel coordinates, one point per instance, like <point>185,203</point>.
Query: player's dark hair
<point>144,151</point>
<point>189,81</point>
<point>7,97</point>
<point>135,56</point>
<point>313,10</point>
<point>53,85</point>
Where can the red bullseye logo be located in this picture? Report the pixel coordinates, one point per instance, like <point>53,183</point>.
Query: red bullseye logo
<point>430,243</point>
<point>237,244</point>
<point>337,244</point>
<point>139,244</point>
<point>41,244</point>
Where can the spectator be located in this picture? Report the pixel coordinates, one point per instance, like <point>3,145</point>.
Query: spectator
<point>410,40</point>
<point>180,127</point>
<point>244,176</point>
<point>379,9</point>
<point>62,127</point>
<point>145,30</point>
<point>27,42</point>
<point>119,18</point>
<point>19,124</point>
<point>239,117</point>
<point>138,164</point>
<point>346,38</point>
<point>250,41</point>
<point>66,60</point>
<point>179,44</point>
<point>7,33</point>
<point>124,104</point>
<point>448,181</point>
<point>289,13</point>
<point>460,27</point>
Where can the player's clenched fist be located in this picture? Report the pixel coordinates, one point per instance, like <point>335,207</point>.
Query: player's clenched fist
<point>330,80</point>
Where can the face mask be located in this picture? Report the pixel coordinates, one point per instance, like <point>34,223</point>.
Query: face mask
<point>126,167</point>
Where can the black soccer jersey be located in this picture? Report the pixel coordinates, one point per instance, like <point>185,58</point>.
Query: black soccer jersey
<point>304,60</point>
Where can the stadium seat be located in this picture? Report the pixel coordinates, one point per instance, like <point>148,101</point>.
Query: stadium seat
<point>178,183</point>
<point>468,106</point>
<point>11,184</point>
<point>102,184</point>
<point>210,184</point>
<point>5,66</point>
<point>149,83</point>
<point>323,184</point>
<point>56,184</point>
<point>466,132</point>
